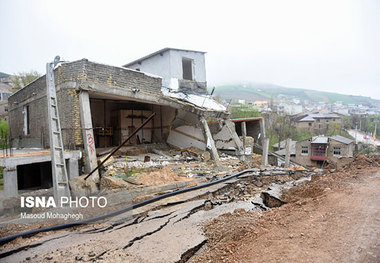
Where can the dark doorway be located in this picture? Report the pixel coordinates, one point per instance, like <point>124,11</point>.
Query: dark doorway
<point>34,176</point>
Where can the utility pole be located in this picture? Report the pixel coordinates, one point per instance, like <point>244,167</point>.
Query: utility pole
<point>287,153</point>
<point>356,134</point>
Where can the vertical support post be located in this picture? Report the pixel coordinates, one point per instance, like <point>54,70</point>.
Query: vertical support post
<point>235,137</point>
<point>264,158</point>
<point>210,144</point>
<point>287,153</point>
<point>161,129</point>
<point>262,130</point>
<point>10,182</point>
<point>356,134</point>
<point>244,132</point>
<point>88,134</point>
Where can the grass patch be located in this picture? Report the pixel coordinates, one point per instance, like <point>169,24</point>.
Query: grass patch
<point>1,184</point>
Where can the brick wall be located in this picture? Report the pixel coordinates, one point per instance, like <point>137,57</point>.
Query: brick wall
<point>345,149</point>
<point>69,78</point>
<point>303,158</point>
<point>120,77</point>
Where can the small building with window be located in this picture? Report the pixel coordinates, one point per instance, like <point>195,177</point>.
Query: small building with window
<point>181,70</point>
<point>317,150</point>
<point>318,123</point>
<point>5,93</point>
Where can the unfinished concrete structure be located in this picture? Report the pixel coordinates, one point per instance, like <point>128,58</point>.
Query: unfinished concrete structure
<point>100,105</point>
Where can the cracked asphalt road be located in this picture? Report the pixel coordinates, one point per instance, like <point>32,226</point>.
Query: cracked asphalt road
<point>161,235</point>
<point>333,218</point>
<point>330,219</point>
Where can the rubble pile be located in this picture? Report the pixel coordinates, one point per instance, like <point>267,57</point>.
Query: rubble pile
<point>362,161</point>
<point>256,160</point>
<point>236,192</point>
<point>224,232</point>
<point>151,168</point>
<point>334,179</point>
<point>159,177</point>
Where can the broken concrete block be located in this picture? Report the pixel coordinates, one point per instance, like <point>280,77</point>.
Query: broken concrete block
<point>205,156</point>
<point>271,200</point>
<point>187,136</point>
<point>81,187</point>
<point>109,182</point>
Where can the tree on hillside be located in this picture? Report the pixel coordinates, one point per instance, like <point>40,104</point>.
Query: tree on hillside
<point>243,111</point>
<point>22,79</point>
<point>334,128</point>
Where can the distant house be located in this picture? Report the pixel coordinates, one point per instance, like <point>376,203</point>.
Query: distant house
<point>5,93</point>
<point>314,151</point>
<point>289,109</point>
<point>5,78</point>
<point>261,104</point>
<point>180,69</point>
<point>318,123</point>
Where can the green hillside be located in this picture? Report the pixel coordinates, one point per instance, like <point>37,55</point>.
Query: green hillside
<point>268,91</point>
<point>3,75</point>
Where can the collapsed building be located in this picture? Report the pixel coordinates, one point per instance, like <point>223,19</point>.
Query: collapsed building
<point>101,105</point>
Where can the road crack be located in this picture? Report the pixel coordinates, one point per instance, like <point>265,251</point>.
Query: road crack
<point>130,243</point>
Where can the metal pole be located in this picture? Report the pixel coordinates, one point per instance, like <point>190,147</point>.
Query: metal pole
<point>118,147</point>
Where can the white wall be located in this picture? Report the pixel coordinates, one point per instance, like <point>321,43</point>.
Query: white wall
<point>199,69</point>
<point>168,65</point>
<point>157,65</point>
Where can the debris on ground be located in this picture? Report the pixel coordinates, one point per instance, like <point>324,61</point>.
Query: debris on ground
<point>160,177</point>
<point>362,161</point>
<point>320,220</point>
<point>256,160</point>
<point>297,168</point>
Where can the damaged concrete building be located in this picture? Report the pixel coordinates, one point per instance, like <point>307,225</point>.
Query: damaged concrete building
<point>101,105</point>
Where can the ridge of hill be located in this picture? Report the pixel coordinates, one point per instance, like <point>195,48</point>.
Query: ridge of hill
<point>4,75</point>
<point>259,91</point>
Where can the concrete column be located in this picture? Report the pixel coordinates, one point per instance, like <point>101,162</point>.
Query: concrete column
<point>235,137</point>
<point>287,153</point>
<point>262,131</point>
<point>210,144</point>
<point>73,169</point>
<point>10,181</point>
<point>264,158</point>
<point>244,132</point>
<point>88,135</point>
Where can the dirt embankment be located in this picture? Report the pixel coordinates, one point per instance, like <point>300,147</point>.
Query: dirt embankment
<point>333,218</point>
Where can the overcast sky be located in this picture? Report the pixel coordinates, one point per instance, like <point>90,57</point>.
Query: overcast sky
<point>329,45</point>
